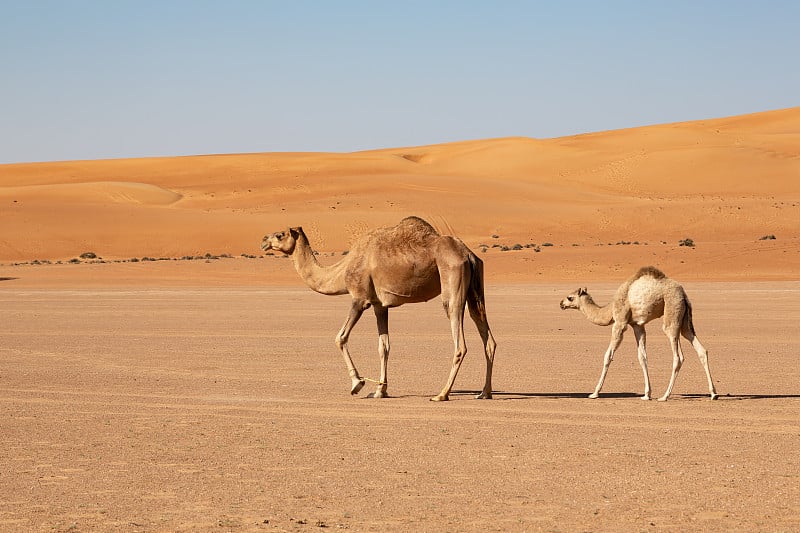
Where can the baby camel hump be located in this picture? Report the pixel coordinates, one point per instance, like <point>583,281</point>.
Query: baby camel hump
<point>646,299</point>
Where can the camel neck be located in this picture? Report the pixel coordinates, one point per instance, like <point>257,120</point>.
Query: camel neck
<point>325,280</point>
<point>602,316</point>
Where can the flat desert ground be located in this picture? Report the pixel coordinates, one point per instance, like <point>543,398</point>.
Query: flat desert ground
<point>202,390</point>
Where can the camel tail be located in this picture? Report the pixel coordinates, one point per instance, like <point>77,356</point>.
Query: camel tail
<point>688,323</point>
<point>475,294</point>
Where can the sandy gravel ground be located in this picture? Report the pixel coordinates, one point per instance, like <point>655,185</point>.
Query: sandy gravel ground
<point>227,409</point>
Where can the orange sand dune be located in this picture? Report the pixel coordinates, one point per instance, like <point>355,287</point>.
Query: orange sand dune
<point>724,183</point>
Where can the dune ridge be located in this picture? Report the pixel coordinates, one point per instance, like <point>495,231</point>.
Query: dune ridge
<point>723,182</point>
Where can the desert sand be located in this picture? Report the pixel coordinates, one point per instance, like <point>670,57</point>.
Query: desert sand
<point>203,392</point>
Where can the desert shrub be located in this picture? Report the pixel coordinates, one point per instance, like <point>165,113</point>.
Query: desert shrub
<point>686,242</point>
<point>517,247</point>
<point>547,244</point>
<point>767,238</point>
<point>88,255</point>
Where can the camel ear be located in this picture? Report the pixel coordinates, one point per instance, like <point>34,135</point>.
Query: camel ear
<point>582,291</point>
<point>295,232</point>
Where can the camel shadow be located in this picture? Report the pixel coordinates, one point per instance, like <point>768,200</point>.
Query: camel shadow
<point>740,397</point>
<point>7,279</point>
<point>509,395</point>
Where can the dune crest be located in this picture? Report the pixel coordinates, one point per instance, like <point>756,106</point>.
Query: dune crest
<point>98,192</point>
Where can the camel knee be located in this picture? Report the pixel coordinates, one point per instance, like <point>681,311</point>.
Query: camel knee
<point>340,341</point>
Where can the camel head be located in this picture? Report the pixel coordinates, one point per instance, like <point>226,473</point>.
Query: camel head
<point>573,301</point>
<point>282,241</point>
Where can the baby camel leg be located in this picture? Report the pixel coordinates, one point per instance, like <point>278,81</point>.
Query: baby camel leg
<point>677,359</point>
<point>641,337</point>
<point>703,355</point>
<point>616,338</point>
<point>382,314</point>
<point>356,310</point>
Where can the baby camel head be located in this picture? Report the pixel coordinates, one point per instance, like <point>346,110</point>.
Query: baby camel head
<point>573,301</point>
<point>282,241</point>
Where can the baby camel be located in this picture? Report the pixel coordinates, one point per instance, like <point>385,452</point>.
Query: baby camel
<point>647,295</point>
<point>388,267</point>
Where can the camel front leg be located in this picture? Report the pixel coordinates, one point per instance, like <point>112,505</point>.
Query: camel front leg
<point>641,338</point>
<point>677,361</point>
<point>382,315</point>
<point>455,311</point>
<point>356,310</point>
<point>616,339</point>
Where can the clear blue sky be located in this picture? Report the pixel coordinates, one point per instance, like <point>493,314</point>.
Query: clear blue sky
<point>94,79</point>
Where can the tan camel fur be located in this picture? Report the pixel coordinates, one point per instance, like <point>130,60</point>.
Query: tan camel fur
<point>392,266</point>
<point>647,295</point>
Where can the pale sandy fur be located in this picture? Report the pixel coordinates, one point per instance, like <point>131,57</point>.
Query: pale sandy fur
<point>647,295</point>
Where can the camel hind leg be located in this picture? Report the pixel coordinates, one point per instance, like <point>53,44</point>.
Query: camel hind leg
<point>478,313</point>
<point>477,310</point>
<point>454,296</point>
<point>687,330</point>
<point>641,341</point>
<point>677,360</point>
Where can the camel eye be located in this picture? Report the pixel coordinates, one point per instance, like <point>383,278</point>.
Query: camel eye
<point>570,298</point>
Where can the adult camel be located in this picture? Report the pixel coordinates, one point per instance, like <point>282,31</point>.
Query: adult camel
<point>388,267</point>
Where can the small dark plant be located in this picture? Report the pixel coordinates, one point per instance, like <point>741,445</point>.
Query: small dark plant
<point>686,242</point>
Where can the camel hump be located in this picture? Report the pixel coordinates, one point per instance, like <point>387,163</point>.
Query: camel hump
<point>417,224</point>
<point>649,271</point>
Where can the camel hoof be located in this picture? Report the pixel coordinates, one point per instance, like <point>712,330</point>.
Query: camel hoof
<point>646,398</point>
<point>594,396</point>
<point>714,396</point>
<point>378,394</point>
<point>663,399</point>
<point>358,384</point>
<point>484,396</point>
<point>440,398</point>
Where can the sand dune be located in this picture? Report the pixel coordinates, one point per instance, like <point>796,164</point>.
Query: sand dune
<point>99,192</point>
<point>724,183</point>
